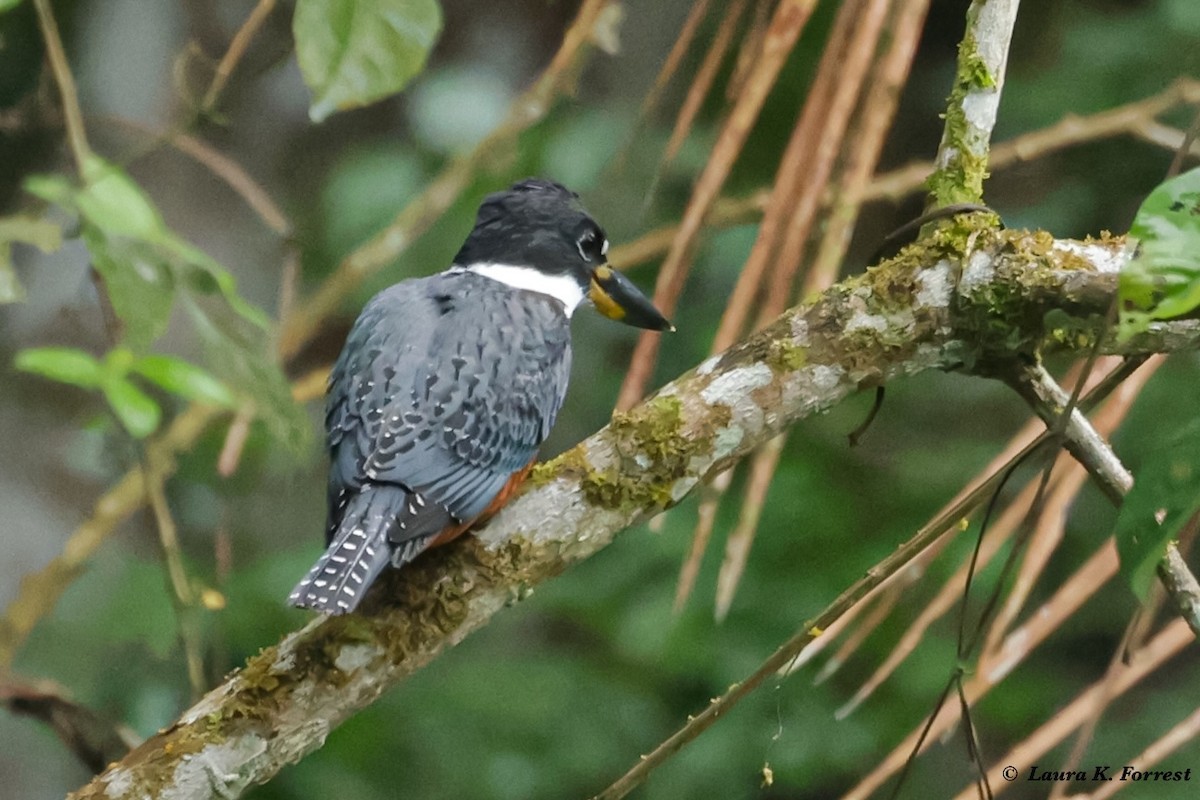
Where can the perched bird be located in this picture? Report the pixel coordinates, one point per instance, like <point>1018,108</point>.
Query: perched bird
<point>448,384</point>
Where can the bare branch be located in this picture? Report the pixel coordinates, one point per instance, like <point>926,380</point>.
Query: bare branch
<point>72,114</point>
<point>237,49</point>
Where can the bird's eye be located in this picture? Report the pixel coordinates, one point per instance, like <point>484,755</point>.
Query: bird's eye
<point>592,246</point>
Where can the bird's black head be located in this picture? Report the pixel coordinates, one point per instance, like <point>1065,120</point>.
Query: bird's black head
<point>536,235</point>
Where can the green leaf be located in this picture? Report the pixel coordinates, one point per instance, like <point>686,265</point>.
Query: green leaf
<point>1162,280</point>
<point>354,52</point>
<point>198,264</point>
<point>137,411</point>
<point>118,362</point>
<point>141,259</point>
<point>139,282</point>
<point>1165,496</point>
<point>8,5</point>
<point>240,356</point>
<point>64,364</point>
<point>109,199</point>
<point>113,202</point>
<point>184,379</point>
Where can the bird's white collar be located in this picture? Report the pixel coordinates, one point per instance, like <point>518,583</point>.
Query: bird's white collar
<point>563,288</point>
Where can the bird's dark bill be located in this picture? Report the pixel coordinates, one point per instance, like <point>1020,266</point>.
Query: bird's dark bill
<point>616,297</point>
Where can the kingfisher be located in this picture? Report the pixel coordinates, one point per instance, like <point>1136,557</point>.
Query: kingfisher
<point>448,384</point>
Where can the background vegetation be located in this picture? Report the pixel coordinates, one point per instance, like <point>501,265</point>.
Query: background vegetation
<point>560,693</point>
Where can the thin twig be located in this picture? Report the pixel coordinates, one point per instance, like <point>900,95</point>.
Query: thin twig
<point>1071,131</point>
<point>993,668</point>
<point>706,516</point>
<point>226,169</point>
<point>950,593</point>
<point>1185,731</point>
<point>737,546</point>
<point>875,117</point>
<point>237,48</point>
<point>183,598</point>
<point>984,485</point>
<point>92,738</point>
<point>702,83</point>
<point>39,591</point>
<point>1052,526</point>
<point>1172,640</point>
<point>777,661</point>
<point>790,18</point>
<point>687,34</point>
<point>72,114</point>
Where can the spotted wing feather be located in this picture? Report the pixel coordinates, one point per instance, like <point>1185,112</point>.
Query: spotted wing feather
<point>445,389</point>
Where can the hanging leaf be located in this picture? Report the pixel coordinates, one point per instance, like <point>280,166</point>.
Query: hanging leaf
<point>63,364</point>
<point>139,284</point>
<point>1165,496</point>
<point>1162,279</point>
<point>240,355</point>
<point>133,236</point>
<point>137,411</point>
<point>146,267</point>
<point>184,379</point>
<point>354,52</point>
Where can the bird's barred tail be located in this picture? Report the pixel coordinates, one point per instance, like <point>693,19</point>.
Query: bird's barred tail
<point>358,553</point>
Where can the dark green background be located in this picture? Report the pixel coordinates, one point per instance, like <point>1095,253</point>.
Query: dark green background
<point>561,693</point>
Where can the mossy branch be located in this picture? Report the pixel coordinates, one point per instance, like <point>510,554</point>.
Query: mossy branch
<point>962,159</point>
<point>966,300</point>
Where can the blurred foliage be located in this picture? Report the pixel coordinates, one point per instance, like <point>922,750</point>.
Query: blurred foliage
<point>354,52</point>
<point>562,692</point>
<point>1165,498</point>
<point>44,235</point>
<point>144,266</point>
<point>1162,280</point>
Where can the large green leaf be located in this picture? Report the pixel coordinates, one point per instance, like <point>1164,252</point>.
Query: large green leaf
<point>137,411</point>
<point>1162,280</point>
<point>139,283</point>
<point>1165,496</point>
<point>184,379</point>
<point>354,52</point>
<point>65,364</point>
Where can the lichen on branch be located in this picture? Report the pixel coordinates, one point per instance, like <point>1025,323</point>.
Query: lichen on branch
<point>924,309</point>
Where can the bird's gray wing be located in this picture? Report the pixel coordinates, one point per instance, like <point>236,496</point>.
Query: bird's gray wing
<point>447,387</point>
